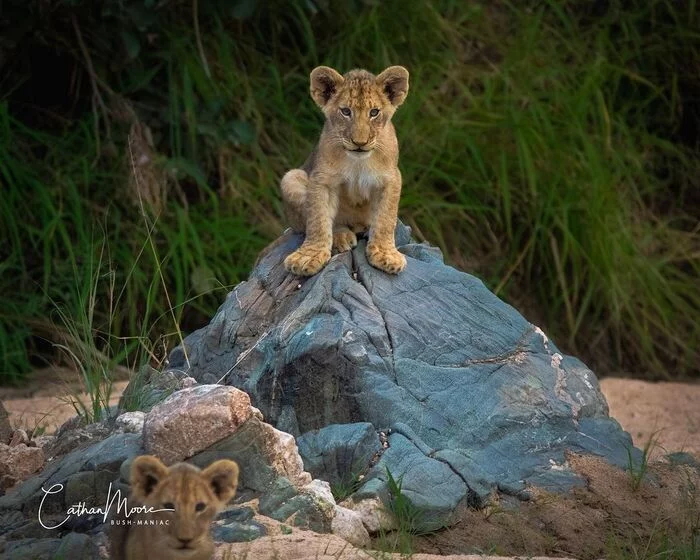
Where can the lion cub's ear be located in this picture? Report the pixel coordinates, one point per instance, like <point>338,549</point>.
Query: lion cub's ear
<point>324,83</point>
<point>222,476</point>
<point>394,83</point>
<point>146,472</point>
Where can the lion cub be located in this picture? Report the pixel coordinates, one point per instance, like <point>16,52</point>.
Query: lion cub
<point>351,181</point>
<point>189,500</point>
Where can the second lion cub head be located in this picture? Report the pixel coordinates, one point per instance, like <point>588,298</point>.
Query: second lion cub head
<point>193,497</point>
<point>358,105</point>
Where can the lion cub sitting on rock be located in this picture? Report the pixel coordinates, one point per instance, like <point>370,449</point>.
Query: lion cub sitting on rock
<point>185,500</point>
<point>351,181</point>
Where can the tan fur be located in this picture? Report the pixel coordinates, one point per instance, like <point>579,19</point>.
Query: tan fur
<point>186,535</point>
<point>340,192</point>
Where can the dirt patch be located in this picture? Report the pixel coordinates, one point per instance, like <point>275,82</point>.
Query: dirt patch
<point>606,518</point>
<point>305,545</point>
<point>667,412</point>
<point>44,402</point>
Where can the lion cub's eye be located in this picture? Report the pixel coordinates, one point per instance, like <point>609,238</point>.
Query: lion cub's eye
<point>345,111</point>
<point>168,505</point>
<point>200,506</point>
<point>374,112</point>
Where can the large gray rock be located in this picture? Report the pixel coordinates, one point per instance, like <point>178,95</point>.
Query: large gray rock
<point>476,398</point>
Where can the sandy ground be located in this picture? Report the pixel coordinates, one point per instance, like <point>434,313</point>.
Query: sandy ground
<point>666,413</point>
<point>305,545</point>
<point>45,401</point>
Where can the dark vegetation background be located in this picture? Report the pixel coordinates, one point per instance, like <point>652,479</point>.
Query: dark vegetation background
<point>550,147</point>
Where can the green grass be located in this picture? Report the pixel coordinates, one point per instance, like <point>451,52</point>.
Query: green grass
<point>541,149</point>
<point>665,541</point>
<point>346,487</point>
<point>638,471</point>
<point>410,520</point>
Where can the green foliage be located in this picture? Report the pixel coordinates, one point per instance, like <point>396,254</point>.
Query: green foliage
<point>80,346</point>
<point>638,470</point>
<point>346,487</point>
<point>546,146</point>
<point>147,387</point>
<point>410,520</point>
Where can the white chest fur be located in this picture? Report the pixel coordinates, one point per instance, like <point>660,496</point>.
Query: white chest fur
<point>360,178</point>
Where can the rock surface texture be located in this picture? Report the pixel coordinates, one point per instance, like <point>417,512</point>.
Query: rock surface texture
<point>473,398</point>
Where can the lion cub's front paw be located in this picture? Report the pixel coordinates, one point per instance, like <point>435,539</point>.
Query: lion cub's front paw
<point>344,240</point>
<point>387,259</point>
<point>307,261</point>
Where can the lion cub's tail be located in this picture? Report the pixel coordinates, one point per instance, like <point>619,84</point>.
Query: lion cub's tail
<point>293,186</point>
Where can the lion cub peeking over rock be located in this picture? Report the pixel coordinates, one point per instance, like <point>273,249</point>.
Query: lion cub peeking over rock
<point>192,498</point>
<point>351,181</point>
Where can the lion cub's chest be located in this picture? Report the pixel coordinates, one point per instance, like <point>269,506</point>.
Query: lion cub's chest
<point>359,179</point>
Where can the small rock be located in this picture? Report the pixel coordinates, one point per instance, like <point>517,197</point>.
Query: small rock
<point>80,487</point>
<point>5,427</point>
<point>77,546</point>
<point>348,525</point>
<point>187,382</point>
<point>19,436</point>
<point>257,414</point>
<point>131,422</point>
<point>125,470</point>
<point>320,489</point>
<point>239,532</point>
<point>307,512</point>
<point>42,441</point>
<point>238,514</point>
<point>101,541</point>
<point>34,549</point>
<point>373,514</point>
<point>683,458</point>
<point>283,455</point>
<point>191,420</point>
<point>18,463</point>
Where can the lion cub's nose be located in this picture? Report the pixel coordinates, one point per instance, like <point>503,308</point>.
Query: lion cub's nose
<point>360,144</point>
<point>185,542</point>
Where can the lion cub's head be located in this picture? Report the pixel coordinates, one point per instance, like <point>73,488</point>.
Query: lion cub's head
<point>358,105</point>
<point>192,498</point>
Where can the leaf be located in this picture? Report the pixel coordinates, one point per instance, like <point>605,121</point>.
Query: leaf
<point>142,17</point>
<point>243,9</point>
<point>131,44</point>
<point>209,130</point>
<point>203,279</point>
<point>181,167</point>
<point>240,132</point>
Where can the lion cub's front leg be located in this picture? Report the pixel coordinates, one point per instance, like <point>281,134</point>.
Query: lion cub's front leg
<point>315,252</point>
<point>381,248</point>
<point>344,239</point>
